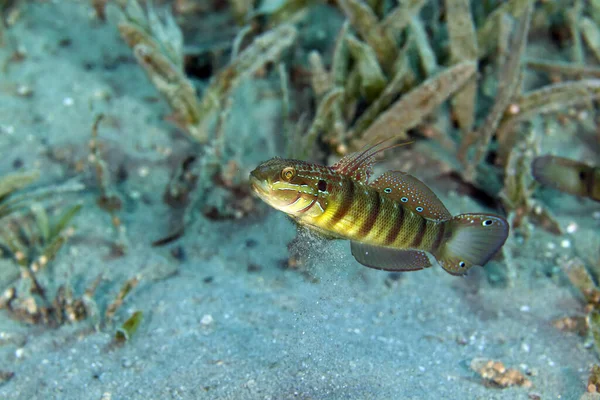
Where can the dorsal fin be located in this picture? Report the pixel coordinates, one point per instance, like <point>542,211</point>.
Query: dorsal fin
<point>412,194</point>
<point>359,165</point>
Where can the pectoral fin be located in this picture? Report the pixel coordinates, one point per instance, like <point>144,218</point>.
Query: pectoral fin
<point>389,259</point>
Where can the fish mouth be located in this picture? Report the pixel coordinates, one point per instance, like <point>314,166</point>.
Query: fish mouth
<point>260,187</point>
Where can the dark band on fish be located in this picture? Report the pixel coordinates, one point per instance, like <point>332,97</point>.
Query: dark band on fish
<point>345,204</point>
<point>396,227</point>
<point>373,214</point>
<point>439,236</point>
<point>420,233</point>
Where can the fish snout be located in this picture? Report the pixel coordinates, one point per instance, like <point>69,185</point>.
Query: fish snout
<point>260,186</point>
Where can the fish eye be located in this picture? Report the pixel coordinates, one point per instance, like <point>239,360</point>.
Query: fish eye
<point>288,173</point>
<point>322,185</point>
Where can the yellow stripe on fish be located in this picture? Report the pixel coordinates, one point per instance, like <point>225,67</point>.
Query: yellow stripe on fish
<point>392,222</point>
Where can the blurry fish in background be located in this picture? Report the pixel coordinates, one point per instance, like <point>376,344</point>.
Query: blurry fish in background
<point>393,223</point>
<point>567,175</point>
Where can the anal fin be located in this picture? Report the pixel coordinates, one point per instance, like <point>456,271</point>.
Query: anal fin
<point>389,259</point>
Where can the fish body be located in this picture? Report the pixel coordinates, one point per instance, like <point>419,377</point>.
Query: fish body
<point>567,175</point>
<point>393,223</point>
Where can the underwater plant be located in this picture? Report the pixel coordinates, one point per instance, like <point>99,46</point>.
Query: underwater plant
<point>158,47</point>
<point>34,227</point>
<point>31,237</point>
<point>108,199</point>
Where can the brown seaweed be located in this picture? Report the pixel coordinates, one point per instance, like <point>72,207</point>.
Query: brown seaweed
<point>509,85</point>
<point>463,46</point>
<point>411,108</point>
<point>157,46</point>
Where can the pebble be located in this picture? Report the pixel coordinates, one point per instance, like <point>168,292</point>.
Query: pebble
<point>207,320</point>
<point>20,352</point>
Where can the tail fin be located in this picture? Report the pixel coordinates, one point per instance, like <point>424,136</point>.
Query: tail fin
<point>471,239</point>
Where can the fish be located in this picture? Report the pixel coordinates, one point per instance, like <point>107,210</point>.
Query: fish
<point>394,223</point>
<point>566,175</point>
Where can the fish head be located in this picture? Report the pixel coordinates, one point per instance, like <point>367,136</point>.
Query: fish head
<point>290,186</point>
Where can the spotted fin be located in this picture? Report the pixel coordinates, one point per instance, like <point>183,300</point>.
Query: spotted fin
<point>412,193</point>
<point>389,259</point>
<point>359,165</point>
<point>472,239</point>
